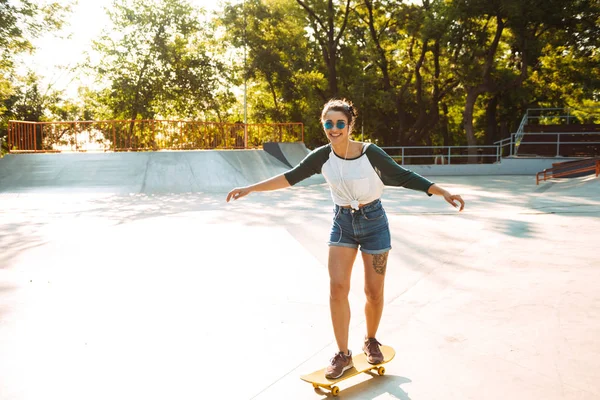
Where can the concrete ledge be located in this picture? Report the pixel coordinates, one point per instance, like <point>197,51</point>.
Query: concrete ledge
<point>507,166</point>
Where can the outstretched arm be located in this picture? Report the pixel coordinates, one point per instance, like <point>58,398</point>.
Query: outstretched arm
<point>274,183</point>
<point>450,198</point>
<point>310,165</point>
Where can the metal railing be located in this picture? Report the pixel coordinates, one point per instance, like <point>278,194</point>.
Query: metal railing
<point>152,135</point>
<point>558,142</point>
<point>545,116</point>
<point>145,135</point>
<point>446,154</point>
<point>490,153</point>
<point>520,132</point>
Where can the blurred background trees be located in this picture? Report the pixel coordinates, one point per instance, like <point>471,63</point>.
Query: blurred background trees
<point>430,72</point>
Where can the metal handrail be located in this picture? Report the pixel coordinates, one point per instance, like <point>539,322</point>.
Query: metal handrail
<point>520,133</point>
<point>562,133</point>
<point>582,143</point>
<point>558,142</point>
<point>24,136</point>
<point>143,135</point>
<point>446,156</point>
<point>529,115</point>
<point>446,151</point>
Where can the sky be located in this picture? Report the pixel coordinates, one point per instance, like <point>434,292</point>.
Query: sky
<point>59,52</point>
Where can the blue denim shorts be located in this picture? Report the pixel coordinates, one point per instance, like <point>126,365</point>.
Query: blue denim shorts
<point>367,227</point>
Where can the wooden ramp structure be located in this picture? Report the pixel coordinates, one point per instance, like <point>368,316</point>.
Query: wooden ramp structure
<point>570,169</point>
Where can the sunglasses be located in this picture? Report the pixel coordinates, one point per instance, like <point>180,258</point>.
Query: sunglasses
<point>329,124</point>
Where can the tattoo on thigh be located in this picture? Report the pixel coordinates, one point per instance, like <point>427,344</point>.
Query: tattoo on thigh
<point>380,263</point>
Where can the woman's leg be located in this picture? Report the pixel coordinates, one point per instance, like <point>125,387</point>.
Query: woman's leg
<point>341,260</point>
<point>375,268</point>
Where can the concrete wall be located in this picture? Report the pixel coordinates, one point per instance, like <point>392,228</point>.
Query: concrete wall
<point>507,166</point>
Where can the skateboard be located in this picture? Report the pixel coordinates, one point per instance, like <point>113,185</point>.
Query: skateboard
<point>361,365</point>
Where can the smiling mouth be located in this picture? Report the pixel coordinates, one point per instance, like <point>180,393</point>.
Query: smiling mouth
<point>335,134</point>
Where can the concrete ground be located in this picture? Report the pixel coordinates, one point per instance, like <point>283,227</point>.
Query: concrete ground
<point>183,296</point>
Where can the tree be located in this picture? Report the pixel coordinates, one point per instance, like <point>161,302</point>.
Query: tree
<point>158,63</point>
<point>31,102</point>
<point>408,45</point>
<point>276,53</point>
<point>328,27</point>
<point>21,22</point>
<point>509,39</point>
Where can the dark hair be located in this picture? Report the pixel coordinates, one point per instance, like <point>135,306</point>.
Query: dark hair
<point>344,106</point>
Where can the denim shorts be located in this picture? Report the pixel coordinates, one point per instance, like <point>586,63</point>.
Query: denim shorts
<point>367,227</point>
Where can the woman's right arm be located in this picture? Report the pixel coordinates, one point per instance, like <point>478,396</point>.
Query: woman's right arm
<point>310,165</point>
<point>274,183</point>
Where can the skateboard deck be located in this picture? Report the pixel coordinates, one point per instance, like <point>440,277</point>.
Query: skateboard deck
<point>361,365</point>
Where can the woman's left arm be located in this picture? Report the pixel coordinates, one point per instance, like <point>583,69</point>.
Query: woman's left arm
<point>450,198</point>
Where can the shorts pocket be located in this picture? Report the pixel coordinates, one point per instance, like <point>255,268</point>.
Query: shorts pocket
<point>374,215</point>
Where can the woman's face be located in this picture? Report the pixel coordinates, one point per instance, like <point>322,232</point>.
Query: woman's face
<point>336,127</point>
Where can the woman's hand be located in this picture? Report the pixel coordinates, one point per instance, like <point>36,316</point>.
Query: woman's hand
<point>274,183</point>
<point>238,193</point>
<point>450,198</point>
<point>455,200</point>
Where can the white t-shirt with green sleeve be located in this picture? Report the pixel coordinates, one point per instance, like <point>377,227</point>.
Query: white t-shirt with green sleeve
<point>357,180</point>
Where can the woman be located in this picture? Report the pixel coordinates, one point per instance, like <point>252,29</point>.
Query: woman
<point>356,173</point>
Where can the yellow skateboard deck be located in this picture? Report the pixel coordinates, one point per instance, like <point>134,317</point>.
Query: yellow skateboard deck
<point>361,365</point>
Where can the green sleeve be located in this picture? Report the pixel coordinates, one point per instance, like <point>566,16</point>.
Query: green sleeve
<point>309,166</point>
<point>392,174</point>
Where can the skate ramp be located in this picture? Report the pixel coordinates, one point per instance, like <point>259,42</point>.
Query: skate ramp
<point>64,172</point>
<point>289,153</point>
<point>148,173</point>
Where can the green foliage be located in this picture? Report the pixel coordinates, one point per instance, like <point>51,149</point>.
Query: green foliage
<point>158,63</point>
<point>20,22</point>
<point>277,69</point>
<point>450,72</point>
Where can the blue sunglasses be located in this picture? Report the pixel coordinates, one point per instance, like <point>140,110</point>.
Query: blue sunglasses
<point>329,124</point>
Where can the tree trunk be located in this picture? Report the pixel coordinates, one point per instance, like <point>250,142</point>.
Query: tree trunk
<point>383,62</point>
<point>275,103</point>
<point>402,123</point>
<point>491,131</point>
<point>133,117</point>
<point>472,95</point>
<point>444,125</point>
<point>326,27</point>
<point>332,73</point>
<point>473,92</point>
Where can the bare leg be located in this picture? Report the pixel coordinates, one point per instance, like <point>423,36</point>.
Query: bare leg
<point>341,260</point>
<point>375,268</point>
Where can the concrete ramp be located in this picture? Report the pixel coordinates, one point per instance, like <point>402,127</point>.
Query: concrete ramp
<point>288,153</point>
<point>149,172</point>
<point>207,171</point>
<point>110,172</point>
<point>294,152</point>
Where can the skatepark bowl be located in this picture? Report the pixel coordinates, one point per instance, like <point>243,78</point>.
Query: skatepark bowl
<point>128,276</point>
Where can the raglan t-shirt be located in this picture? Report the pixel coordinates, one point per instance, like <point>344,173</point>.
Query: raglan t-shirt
<point>357,180</point>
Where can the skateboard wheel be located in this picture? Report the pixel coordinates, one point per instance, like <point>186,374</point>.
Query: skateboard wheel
<point>335,390</point>
<point>381,370</point>
<point>315,385</point>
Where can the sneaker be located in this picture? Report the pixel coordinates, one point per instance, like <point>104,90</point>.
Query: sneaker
<point>372,351</point>
<point>340,363</point>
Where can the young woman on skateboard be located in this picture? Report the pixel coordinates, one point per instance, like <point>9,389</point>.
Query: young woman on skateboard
<point>356,173</point>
